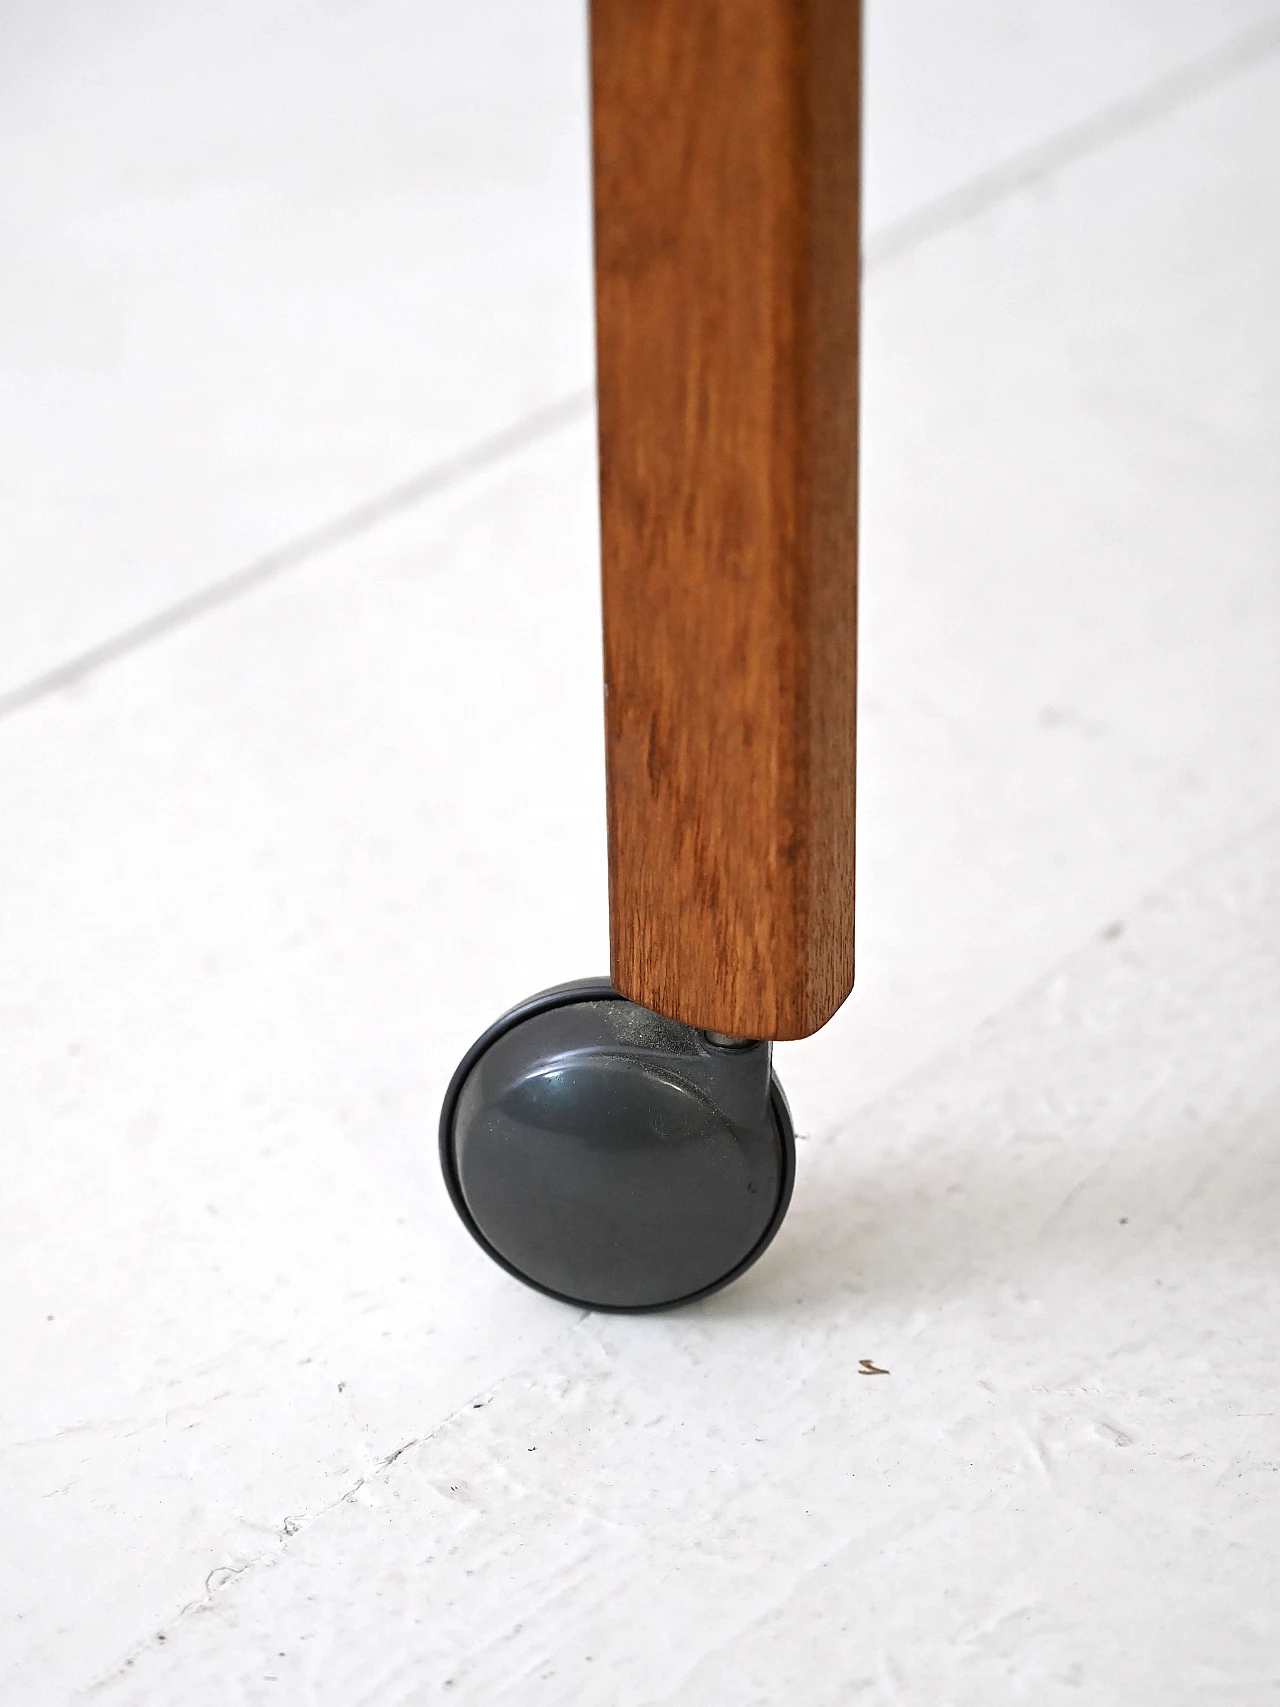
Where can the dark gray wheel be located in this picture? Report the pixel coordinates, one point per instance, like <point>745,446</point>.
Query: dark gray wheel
<point>614,1158</point>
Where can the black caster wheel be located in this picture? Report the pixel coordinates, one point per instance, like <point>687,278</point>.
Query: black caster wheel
<point>613,1158</point>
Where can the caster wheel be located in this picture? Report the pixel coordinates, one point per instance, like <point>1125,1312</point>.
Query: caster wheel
<point>613,1158</point>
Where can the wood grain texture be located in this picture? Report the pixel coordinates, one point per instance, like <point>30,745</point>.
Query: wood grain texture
<point>726,137</point>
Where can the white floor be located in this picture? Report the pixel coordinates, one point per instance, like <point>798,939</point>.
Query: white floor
<point>300,786</point>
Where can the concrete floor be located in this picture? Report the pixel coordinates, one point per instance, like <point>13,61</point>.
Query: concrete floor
<point>300,786</point>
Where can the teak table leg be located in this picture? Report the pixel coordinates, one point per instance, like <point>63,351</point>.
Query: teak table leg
<point>624,1143</point>
<point>726,140</point>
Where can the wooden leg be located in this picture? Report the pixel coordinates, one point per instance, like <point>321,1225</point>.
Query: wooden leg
<point>611,1156</point>
<point>726,140</point>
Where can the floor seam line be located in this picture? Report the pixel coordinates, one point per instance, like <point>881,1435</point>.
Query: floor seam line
<point>949,211</point>
<point>1122,118</point>
<point>270,1557</point>
<point>441,477</point>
